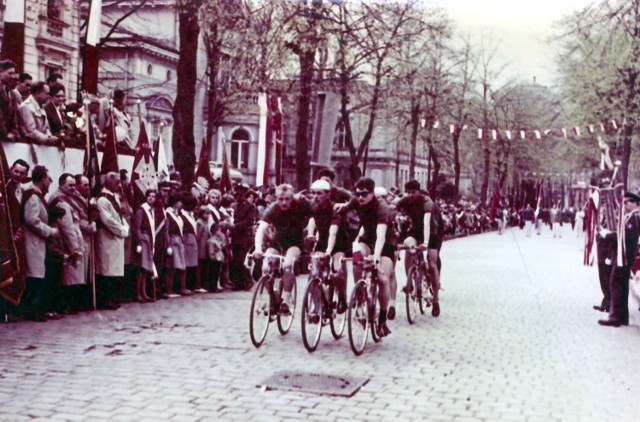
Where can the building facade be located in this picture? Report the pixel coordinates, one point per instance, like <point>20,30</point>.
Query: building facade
<point>52,40</point>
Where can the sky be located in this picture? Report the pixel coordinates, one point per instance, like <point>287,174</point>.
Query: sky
<point>519,28</point>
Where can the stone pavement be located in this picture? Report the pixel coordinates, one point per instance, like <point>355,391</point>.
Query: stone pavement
<point>517,340</point>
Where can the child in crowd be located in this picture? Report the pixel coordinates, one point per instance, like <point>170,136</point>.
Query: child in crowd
<point>216,246</point>
<point>202,236</point>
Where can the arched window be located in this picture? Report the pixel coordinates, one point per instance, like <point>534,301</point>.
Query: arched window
<point>240,149</point>
<point>150,70</point>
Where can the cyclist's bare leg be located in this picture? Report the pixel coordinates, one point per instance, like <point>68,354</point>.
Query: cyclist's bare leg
<point>360,250</point>
<point>432,261</point>
<point>384,275</point>
<point>288,275</point>
<point>339,277</point>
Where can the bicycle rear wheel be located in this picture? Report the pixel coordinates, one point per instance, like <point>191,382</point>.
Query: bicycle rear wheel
<point>358,318</point>
<point>285,321</point>
<point>412,299</point>
<point>337,321</point>
<point>260,315</point>
<point>311,315</point>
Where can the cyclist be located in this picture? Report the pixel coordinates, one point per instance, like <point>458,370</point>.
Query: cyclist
<point>333,236</point>
<point>425,230</point>
<point>289,216</point>
<point>376,237</point>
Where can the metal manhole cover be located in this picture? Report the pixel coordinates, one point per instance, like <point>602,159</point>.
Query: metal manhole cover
<point>308,382</point>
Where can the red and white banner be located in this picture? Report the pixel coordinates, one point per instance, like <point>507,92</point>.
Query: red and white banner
<point>90,65</point>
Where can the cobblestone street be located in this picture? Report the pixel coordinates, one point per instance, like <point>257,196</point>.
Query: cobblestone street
<point>517,340</point>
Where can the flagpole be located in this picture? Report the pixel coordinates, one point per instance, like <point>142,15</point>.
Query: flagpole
<point>92,260</point>
<point>139,105</point>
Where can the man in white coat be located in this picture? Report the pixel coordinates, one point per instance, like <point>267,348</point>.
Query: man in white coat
<point>110,237</point>
<point>73,272</point>
<point>36,232</point>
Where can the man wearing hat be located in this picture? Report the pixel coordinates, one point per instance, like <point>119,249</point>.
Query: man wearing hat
<point>619,281</point>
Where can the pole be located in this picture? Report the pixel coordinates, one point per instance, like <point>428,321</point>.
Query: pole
<point>92,272</point>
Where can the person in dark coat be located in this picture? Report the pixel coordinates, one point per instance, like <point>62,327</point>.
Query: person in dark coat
<point>619,281</point>
<point>242,234</point>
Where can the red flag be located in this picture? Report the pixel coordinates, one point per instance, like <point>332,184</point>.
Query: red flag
<point>110,155</point>
<point>143,173</point>
<point>226,185</point>
<point>90,65</point>
<point>495,200</point>
<point>91,169</point>
<point>12,279</point>
<point>13,45</point>
<point>204,167</point>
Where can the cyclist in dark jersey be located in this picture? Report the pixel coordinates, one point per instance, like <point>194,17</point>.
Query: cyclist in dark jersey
<point>289,217</point>
<point>377,238</point>
<point>419,208</point>
<point>333,237</point>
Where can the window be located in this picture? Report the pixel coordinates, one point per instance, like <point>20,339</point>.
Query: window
<point>240,149</point>
<point>150,70</point>
<point>169,75</point>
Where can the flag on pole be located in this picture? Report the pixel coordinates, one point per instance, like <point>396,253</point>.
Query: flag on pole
<point>143,173</point>
<point>110,154</point>
<point>538,134</point>
<point>602,128</point>
<point>453,129</point>
<point>494,134</point>
<point>10,262</point>
<point>576,131</point>
<point>508,132</point>
<point>564,132</point>
<point>495,200</point>
<point>480,133</point>
<point>264,140</point>
<point>90,64</point>
<point>91,169</point>
<point>606,163</point>
<point>13,37</point>
<point>160,160</point>
<point>423,123</point>
<point>523,134</point>
<point>226,185</point>
<point>614,124</point>
<point>591,227</point>
<point>592,129</point>
<point>277,130</point>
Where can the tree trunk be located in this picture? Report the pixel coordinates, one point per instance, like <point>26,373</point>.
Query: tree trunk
<point>183,142</point>
<point>456,163</point>
<point>303,162</point>
<point>486,152</point>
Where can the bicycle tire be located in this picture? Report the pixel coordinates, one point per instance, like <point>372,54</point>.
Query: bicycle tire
<point>337,321</point>
<point>375,304</point>
<point>411,295</point>
<point>311,339</point>
<point>285,321</point>
<point>258,312</point>
<point>427,292</point>
<point>358,318</point>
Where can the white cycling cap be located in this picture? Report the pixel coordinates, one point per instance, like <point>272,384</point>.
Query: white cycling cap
<point>321,185</point>
<point>379,191</point>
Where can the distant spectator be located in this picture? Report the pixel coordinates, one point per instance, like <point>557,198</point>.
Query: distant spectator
<point>54,109</point>
<point>122,121</point>
<point>8,102</point>
<point>54,78</point>
<point>33,118</point>
<point>23,88</point>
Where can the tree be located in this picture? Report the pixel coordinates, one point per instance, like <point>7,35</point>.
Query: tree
<point>183,141</point>
<point>600,66</point>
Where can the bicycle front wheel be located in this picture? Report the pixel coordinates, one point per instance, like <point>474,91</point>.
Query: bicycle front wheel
<point>411,294</point>
<point>358,318</point>
<point>374,312</point>
<point>311,315</point>
<point>285,321</point>
<point>260,312</point>
<point>338,320</point>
